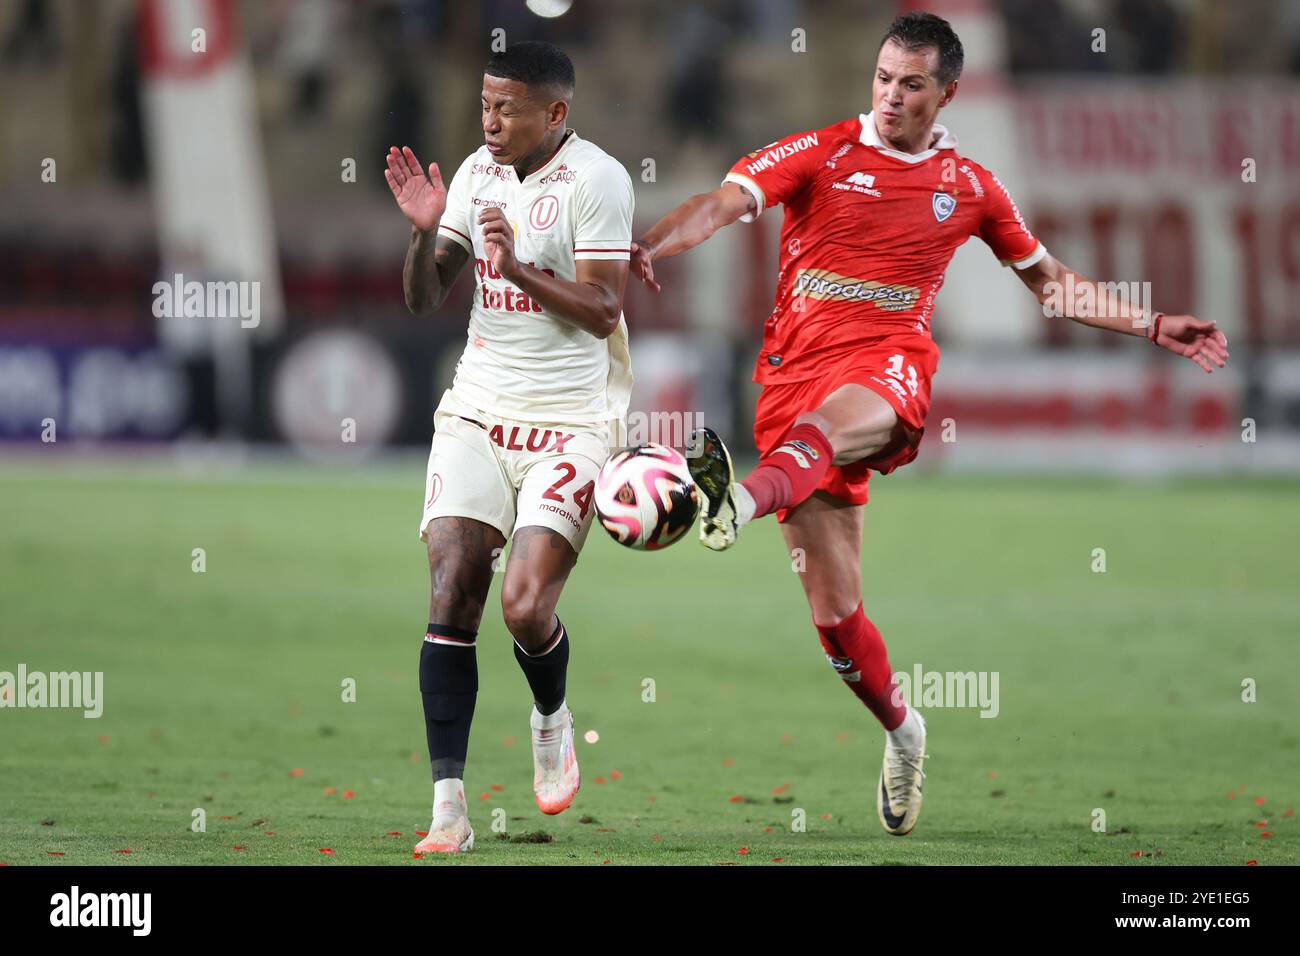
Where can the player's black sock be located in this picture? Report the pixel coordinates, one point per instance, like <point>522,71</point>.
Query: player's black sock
<point>449,686</point>
<point>546,670</point>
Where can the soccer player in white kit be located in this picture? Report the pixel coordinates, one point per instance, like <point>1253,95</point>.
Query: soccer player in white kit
<point>539,397</point>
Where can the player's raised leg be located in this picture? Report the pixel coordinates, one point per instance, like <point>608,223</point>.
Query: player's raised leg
<point>851,424</point>
<point>540,562</point>
<point>829,533</point>
<point>461,552</point>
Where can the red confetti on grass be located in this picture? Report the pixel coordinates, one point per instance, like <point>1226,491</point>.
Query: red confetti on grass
<point>729,762</point>
<point>225,818</point>
<point>239,846</point>
<point>497,788</point>
<point>325,849</point>
<point>297,772</point>
<point>767,829</point>
<point>601,780</point>
<point>55,853</point>
<point>737,799</point>
<point>652,799</point>
<point>1265,835</point>
<point>1252,862</point>
<point>1261,823</point>
<point>743,850</point>
<point>394,833</point>
<point>417,856</point>
<point>1259,801</point>
<point>348,794</point>
<point>1288,812</point>
<point>1136,853</point>
<point>658,838</point>
<point>421,832</point>
<point>124,851</point>
<point>827,816</point>
<point>605,862</point>
<point>485,796</point>
<point>330,791</point>
<point>777,791</point>
<point>615,775</point>
<point>268,832</point>
<point>777,859</point>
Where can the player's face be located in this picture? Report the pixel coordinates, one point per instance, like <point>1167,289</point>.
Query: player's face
<point>515,119</point>
<point>906,96</point>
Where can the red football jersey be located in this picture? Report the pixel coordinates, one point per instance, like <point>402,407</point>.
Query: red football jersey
<point>868,233</point>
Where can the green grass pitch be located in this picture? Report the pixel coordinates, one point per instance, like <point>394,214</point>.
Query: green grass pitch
<point>223,689</point>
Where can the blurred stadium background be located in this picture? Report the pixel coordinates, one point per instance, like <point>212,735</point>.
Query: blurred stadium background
<point>126,158</point>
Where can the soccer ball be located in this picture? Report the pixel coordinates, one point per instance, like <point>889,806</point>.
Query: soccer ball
<point>645,497</point>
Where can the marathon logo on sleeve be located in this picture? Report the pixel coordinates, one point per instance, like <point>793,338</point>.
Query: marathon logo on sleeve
<point>769,158</point>
<point>825,284</point>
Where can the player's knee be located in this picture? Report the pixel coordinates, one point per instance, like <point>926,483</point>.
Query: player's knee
<point>528,616</point>
<point>456,595</point>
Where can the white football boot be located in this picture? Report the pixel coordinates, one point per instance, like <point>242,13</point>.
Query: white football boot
<point>555,760</point>
<point>898,799</point>
<point>450,831</point>
<point>711,470</point>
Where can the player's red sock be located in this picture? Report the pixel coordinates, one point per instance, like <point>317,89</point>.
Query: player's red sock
<point>857,652</point>
<point>791,472</point>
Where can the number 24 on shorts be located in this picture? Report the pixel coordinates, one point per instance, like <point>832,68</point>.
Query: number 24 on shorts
<point>894,369</point>
<point>581,497</point>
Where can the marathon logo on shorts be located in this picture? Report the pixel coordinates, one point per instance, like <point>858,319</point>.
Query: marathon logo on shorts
<point>825,284</point>
<point>844,667</point>
<point>538,439</point>
<point>771,157</point>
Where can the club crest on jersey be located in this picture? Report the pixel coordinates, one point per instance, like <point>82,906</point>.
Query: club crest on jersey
<point>943,205</point>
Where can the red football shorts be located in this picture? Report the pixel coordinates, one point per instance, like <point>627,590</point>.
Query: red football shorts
<point>897,368</point>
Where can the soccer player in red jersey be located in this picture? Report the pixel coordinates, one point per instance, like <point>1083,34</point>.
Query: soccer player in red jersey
<point>875,207</point>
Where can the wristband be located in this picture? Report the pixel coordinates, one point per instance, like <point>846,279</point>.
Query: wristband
<point>1155,327</point>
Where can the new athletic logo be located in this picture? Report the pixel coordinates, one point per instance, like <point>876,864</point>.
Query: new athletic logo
<point>859,182</point>
<point>825,284</point>
<point>943,205</point>
<point>797,450</point>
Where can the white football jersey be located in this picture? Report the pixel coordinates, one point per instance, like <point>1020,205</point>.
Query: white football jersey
<point>519,361</point>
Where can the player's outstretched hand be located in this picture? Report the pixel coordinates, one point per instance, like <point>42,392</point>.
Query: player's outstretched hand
<point>1197,339</point>
<point>641,267</point>
<point>421,198</point>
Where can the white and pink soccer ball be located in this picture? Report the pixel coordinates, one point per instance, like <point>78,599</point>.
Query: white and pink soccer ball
<point>645,497</point>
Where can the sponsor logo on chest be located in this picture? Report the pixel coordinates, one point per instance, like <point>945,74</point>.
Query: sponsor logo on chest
<point>858,182</point>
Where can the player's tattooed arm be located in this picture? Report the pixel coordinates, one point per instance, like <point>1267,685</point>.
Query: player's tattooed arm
<point>1099,305</point>
<point>432,261</point>
<point>432,264</point>
<point>594,302</point>
<point>688,225</point>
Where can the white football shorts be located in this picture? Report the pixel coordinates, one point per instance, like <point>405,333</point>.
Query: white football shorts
<point>512,474</point>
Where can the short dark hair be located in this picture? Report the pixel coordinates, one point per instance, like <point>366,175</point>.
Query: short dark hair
<point>916,30</point>
<point>535,63</point>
